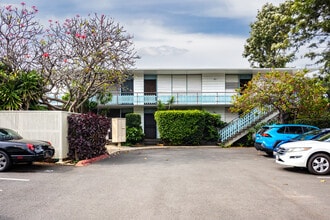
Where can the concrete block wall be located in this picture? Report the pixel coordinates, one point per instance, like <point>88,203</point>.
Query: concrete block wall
<point>40,125</point>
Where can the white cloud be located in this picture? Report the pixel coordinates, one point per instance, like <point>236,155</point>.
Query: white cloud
<point>162,50</point>
<point>181,50</point>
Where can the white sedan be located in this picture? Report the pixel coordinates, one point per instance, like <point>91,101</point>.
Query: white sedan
<point>312,154</point>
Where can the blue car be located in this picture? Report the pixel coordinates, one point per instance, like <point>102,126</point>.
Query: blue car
<point>269,136</point>
<point>311,135</point>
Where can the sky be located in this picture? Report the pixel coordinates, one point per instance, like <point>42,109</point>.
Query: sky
<point>171,34</point>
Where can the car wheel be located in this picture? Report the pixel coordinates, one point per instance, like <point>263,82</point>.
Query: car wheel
<point>4,161</point>
<point>270,153</point>
<point>319,164</point>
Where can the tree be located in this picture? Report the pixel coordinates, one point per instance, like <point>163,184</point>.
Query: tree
<point>268,45</point>
<point>291,94</point>
<point>18,33</point>
<point>294,25</point>
<point>83,57</point>
<point>312,29</point>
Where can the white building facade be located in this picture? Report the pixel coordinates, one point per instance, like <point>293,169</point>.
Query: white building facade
<point>207,89</point>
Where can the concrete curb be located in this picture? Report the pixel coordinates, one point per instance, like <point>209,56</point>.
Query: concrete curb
<point>82,163</point>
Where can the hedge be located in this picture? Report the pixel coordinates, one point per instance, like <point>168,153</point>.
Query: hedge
<point>187,127</point>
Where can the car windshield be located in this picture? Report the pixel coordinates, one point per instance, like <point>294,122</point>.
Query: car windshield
<point>306,135</point>
<point>325,137</point>
<point>8,134</point>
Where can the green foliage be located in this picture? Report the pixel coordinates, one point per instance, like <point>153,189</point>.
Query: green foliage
<point>134,131</point>
<point>133,120</point>
<point>87,136</point>
<point>290,93</point>
<point>312,29</point>
<point>292,26</point>
<point>177,127</point>
<point>167,106</point>
<point>134,135</point>
<point>212,124</point>
<point>19,90</point>
<point>268,44</point>
<point>322,122</point>
<point>187,127</point>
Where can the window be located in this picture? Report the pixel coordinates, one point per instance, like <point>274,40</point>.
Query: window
<point>295,130</point>
<point>232,82</point>
<point>127,87</point>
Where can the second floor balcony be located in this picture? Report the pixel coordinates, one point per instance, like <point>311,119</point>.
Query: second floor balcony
<point>180,98</point>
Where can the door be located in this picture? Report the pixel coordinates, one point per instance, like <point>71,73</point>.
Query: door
<point>150,91</point>
<point>149,126</point>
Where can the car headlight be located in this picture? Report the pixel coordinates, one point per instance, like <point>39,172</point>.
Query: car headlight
<point>298,149</point>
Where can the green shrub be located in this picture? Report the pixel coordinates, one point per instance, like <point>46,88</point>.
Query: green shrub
<point>212,124</point>
<point>133,120</point>
<point>134,135</point>
<point>134,131</point>
<point>187,127</point>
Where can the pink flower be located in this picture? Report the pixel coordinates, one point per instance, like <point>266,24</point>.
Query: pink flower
<point>23,3</point>
<point>45,55</point>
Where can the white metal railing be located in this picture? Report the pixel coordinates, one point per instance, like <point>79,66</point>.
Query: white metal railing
<point>241,123</point>
<point>180,98</point>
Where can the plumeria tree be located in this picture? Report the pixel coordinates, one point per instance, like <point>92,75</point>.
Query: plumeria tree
<point>83,57</point>
<point>20,86</point>
<point>19,31</point>
<point>291,94</point>
<point>78,58</point>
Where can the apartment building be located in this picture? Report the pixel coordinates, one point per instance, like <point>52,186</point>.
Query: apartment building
<point>208,89</point>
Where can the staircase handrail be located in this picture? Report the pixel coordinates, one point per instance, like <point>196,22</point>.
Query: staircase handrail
<point>239,124</point>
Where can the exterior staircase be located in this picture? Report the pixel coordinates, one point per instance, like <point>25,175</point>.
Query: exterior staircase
<point>239,127</point>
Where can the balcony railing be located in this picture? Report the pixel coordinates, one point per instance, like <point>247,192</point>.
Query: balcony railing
<point>180,98</point>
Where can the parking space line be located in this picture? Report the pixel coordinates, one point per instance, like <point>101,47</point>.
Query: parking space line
<point>323,177</point>
<point>14,179</point>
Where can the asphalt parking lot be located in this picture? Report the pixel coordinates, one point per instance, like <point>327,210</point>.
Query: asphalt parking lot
<point>190,183</point>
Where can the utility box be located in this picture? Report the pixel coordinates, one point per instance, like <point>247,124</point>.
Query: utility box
<point>118,130</point>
